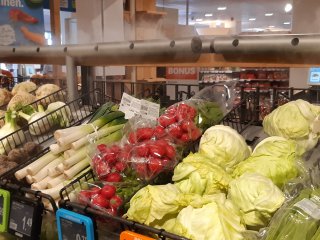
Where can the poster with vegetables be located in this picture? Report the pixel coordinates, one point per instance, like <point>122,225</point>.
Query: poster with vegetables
<point>21,22</point>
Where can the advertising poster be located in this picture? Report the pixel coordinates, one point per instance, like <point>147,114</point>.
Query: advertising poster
<point>21,22</point>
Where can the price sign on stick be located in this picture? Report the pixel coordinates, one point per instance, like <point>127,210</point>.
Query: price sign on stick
<point>4,209</point>
<point>74,226</point>
<point>25,218</point>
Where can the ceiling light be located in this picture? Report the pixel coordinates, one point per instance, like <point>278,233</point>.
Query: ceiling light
<point>271,26</point>
<point>218,23</point>
<point>269,14</point>
<point>288,7</point>
<point>208,15</point>
<point>287,23</point>
<point>199,20</point>
<point>222,8</point>
<point>252,19</point>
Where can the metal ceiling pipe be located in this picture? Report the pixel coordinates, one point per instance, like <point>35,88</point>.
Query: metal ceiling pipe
<point>32,51</point>
<point>292,44</point>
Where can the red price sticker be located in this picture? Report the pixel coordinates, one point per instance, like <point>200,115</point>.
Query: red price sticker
<point>128,235</point>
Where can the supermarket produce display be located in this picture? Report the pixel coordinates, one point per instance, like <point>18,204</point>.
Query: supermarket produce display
<point>182,175</point>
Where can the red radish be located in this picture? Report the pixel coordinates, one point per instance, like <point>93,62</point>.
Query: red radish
<point>120,166</point>
<point>195,134</point>
<point>110,157</point>
<point>166,120</point>
<point>170,152</point>
<point>115,202</point>
<point>159,131</point>
<point>102,168</point>
<point>102,147</point>
<point>100,201</point>
<point>162,143</point>
<point>156,150</point>
<point>155,165</point>
<point>171,111</point>
<point>185,137</point>
<point>94,191</point>
<point>84,196</point>
<point>187,125</point>
<point>141,169</point>
<point>142,150</point>
<point>167,163</point>
<point>115,149</point>
<point>108,191</point>
<point>192,113</point>
<point>132,138</point>
<point>175,131</point>
<point>113,177</point>
<point>144,134</point>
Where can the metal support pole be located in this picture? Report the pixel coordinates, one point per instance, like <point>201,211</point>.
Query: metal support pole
<point>133,35</point>
<point>72,84</point>
<point>87,79</point>
<point>187,12</point>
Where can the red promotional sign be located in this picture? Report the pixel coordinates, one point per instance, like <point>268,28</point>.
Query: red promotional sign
<point>190,73</point>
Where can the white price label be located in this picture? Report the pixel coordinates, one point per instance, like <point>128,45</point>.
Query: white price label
<point>132,106</point>
<point>309,207</point>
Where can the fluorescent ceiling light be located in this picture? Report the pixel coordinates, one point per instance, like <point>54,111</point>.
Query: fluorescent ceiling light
<point>208,15</point>
<point>218,22</point>
<point>269,14</point>
<point>271,26</point>
<point>199,20</point>
<point>288,7</point>
<point>287,23</point>
<point>252,19</point>
<point>222,8</point>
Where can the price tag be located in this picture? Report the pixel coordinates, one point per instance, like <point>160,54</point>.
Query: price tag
<point>25,218</point>
<point>74,226</point>
<point>4,209</point>
<point>128,235</point>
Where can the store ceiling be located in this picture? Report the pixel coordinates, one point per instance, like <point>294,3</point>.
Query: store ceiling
<point>239,10</point>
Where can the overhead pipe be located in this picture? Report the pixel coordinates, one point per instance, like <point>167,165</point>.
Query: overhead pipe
<point>292,44</point>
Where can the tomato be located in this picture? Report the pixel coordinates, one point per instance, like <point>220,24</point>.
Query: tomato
<point>175,131</point>
<point>155,165</point>
<point>159,131</point>
<point>166,120</point>
<point>120,166</point>
<point>195,134</point>
<point>170,152</point>
<point>144,134</point>
<point>100,201</point>
<point>113,177</point>
<point>156,150</point>
<point>108,191</point>
<point>116,202</point>
<point>185,137</point>
<point>142,150</point>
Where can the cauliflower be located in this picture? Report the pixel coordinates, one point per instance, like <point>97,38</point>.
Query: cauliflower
<point>19,100</point>
<point>46,90</point>
<point>5,96</point>
<point>24,87</point>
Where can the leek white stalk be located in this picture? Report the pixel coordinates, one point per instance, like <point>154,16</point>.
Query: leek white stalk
<point>74,159</point>
<point>53,172</point>
<point>29,179</point>
<point>44,171</point>
<point>53,192</point>
<point>20,174</point>
<point>65,132</point>
<point>55,181</point>
<point>40,163</point>
<point>60,168</point>
<point>74,170</point>
<point>104,131</point>
<point>43,184</point>
<point>69,153</point>
<point>56,149</point>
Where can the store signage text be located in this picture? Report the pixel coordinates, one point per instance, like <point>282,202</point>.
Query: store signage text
<point>11,3</point>
<point>181,73</point>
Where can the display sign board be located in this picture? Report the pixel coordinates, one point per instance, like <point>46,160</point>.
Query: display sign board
<point>4,209</point>
<point>21,22</point>
<point>314,76</point>
<point>65,5</point>
<point>128,235</point>
<point>74,226</point>
<point>25,218</point>
<point>185,73</point>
